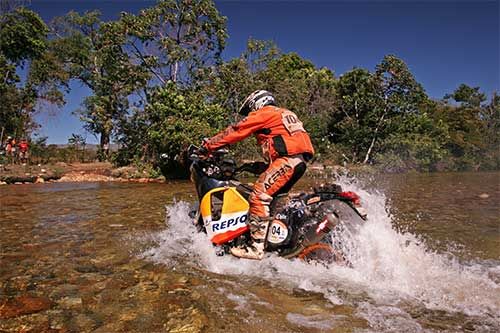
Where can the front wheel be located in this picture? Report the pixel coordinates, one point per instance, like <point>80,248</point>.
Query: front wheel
<point>323,253</point>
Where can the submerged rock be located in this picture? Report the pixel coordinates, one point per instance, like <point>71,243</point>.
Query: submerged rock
<point>87,269</point>
<point>24,304</point>
<point>188,320</point>
<point>71,302</point>
<point>64,290</point>
<point>84,323</point>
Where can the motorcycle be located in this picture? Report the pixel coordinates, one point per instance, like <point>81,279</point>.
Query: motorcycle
<point>300,223</point>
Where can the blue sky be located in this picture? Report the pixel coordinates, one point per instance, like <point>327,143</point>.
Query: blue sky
<point>444,43</point>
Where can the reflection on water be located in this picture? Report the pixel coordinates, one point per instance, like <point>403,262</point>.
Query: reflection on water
<point>102,257</point>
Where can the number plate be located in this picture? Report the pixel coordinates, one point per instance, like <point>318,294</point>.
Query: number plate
<point>278,232</point>
<point>291,122</point>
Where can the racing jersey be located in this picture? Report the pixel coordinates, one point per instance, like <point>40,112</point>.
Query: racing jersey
<point>278,131</point>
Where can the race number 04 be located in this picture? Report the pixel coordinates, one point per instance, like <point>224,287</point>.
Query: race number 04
<point>276,230</point>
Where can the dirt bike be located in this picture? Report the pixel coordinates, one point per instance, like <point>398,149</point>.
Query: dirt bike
<point>301,223</point>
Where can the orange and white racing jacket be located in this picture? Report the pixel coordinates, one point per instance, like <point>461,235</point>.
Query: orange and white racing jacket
<point>278,131</point>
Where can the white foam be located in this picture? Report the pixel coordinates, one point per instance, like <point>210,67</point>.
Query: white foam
<point>388,266</point>
<point>315,321</point>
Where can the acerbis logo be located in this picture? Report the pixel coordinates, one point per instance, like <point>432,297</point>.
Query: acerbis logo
<point>278,173</point>
<point>220,226</point>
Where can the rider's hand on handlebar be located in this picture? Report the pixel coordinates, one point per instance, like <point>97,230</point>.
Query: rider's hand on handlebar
<point>260,167</point>
<point>254,167</point>
<point>203,150</point>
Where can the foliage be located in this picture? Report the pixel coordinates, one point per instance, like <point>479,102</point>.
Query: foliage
<point>157,83</point>
<point>417,143</point>
<point>77,143</point>
<point>176,38</point>
<point>358,99</point>
<point>473,129</point>
<point>23,37</point>
<point>90,50</point>
<point>467,96</point>
<point>375,106</point>
<point>174,119</point>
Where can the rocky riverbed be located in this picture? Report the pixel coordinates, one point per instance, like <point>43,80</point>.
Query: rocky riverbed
<point>107,257</point>
<point>72,260</point>
<point>66,269</point>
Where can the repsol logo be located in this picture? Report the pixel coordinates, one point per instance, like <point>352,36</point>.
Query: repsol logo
<point>277,174</point>
<point>221,225</point>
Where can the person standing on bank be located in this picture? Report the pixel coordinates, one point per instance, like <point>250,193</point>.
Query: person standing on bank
<point>286,146</point>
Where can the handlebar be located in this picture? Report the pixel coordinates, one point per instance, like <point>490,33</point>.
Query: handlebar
<point>217,158</point>
<point>195,152</point>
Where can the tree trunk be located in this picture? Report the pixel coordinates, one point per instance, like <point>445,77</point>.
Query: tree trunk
<point>174,71</point>
<point>104,146</point>
<point>368,153</point>
<point>379,124</point>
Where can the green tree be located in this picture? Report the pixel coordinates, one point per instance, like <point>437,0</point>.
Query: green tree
<point>372,105</point>
<point>78,143</point>
<point>310,92</point>
<point>465,127</point>
<point>176,39</point>
<point>174,119</point>
<point>23,38</point>
<point>490,115</point>
<point>91,51</point>
<point>359,104</point>
<point>467,96</point>
<point>473,128</point>
<point>229,83</point>
<point>176,43</point>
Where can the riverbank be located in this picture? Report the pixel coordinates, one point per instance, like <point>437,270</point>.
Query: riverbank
<point>74,172</point>
<point>106,172</point>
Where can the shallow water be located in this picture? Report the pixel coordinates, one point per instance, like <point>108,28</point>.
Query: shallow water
<point>109,258</point>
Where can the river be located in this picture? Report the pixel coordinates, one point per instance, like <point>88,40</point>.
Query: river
<point>113,257</point>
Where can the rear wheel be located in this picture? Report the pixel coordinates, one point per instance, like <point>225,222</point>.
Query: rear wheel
<point>323,253</point>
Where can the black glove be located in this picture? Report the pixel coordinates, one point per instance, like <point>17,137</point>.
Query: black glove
<point>255,167</point>
<point>260,167</point>
<point>202,151</point>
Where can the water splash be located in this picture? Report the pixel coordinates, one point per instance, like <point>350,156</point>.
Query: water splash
<point>393,265</point>
<point>389,268</point>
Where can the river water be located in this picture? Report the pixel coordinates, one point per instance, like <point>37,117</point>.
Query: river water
<point>110,257</point>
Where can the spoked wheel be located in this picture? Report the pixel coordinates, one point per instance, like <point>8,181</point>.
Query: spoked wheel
<point>322,253</point>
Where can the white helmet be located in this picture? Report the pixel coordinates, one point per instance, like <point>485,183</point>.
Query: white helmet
<point>258,99</point>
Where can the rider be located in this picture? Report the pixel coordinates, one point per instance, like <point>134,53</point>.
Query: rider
<point>285,145</point>
<point>10,148</point>
<point>23,150</point>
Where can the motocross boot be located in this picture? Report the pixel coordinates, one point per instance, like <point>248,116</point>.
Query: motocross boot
<point>258,232</point>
